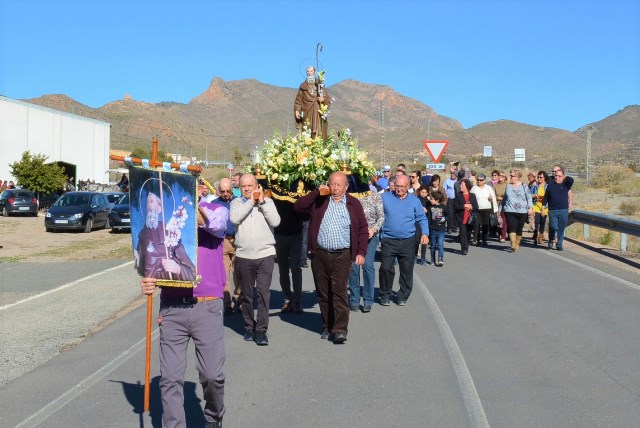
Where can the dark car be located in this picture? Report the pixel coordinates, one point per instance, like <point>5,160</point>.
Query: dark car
<point>78,211</point>
<point>119,216</point>
<point>18,201</point>
<point>113,197</point>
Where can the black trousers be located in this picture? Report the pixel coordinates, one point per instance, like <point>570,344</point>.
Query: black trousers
<point>515,222</point>
<point>482,224</point>
<point>465,236</point>
<point>404,250</point>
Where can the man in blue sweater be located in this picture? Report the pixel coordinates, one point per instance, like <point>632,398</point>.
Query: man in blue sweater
<point>559,199</point>
<point>402,213</point>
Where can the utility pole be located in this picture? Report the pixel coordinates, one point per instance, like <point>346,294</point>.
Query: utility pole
<point>381,135</point>
<point>590,132</point>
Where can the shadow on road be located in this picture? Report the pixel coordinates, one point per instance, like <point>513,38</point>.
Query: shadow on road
<point>134,393</point>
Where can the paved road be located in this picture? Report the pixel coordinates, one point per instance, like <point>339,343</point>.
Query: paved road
<point>531,339</point>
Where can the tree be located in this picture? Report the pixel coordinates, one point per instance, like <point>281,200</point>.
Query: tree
<point>32,173</point>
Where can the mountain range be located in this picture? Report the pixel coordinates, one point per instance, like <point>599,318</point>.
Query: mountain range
<point>231,118</point>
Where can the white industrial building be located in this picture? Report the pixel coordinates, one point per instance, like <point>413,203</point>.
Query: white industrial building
<point>78,143</point>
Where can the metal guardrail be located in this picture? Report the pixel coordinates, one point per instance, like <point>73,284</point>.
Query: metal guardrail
<point>616,224</point>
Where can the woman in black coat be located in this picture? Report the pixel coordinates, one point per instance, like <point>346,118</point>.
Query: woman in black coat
<point>466,207</point>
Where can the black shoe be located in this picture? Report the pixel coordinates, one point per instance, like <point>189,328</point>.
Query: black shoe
<point>440,263</point>
<point>249,336</point>
<point>484,244</point>
<point>214,424</point>
<point>465,252</point>
<point>366,308</point>
<point>478,243</point>
<point>304,265</point>
<point>355,308</point>
<point>401,303</point>
<point>384,301</point>
<point>261,338</point>
<point>339,338</point>
<point>559,248</point>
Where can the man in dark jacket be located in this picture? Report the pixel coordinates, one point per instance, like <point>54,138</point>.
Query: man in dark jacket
<point>338,235</point>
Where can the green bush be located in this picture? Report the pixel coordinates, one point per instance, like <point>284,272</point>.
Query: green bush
<point>607,238</point>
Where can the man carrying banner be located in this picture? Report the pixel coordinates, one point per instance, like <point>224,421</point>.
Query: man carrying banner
<point>195,313</point>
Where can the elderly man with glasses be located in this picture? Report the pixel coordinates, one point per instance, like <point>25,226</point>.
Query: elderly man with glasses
<point>559,200</point>
<point>402,211</point>
<point>225,196</point>
<point>383,181</point>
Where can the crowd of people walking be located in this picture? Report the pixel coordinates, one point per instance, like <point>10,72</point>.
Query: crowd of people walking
<point>244,233</point>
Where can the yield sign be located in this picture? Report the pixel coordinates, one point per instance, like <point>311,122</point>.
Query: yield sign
<point>436,148</point>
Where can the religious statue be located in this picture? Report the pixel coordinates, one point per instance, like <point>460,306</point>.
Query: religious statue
<point>312,104</point>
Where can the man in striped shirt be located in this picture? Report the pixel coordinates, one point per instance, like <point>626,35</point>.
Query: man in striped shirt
<point>338,235</point>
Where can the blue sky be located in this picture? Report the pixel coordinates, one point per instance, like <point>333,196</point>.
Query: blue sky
<point>559,64</point>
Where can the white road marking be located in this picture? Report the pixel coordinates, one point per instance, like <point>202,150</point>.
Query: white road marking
<point>592,269</point>
<point>44,413</point>
<point>62,287</point>
<point>475,411</point>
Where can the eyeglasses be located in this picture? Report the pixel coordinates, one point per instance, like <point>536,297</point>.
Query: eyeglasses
<point>401,187</point>
<point>224,191</point>
<point>480,179</point>
<point>511,175</point>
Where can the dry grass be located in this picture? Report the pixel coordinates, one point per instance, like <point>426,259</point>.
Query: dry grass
<point>603,237</point>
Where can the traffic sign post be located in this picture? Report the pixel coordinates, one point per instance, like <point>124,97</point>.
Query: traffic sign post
<point>436,148</point>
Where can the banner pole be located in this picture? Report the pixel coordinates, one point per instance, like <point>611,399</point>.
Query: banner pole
<point>147,366</point>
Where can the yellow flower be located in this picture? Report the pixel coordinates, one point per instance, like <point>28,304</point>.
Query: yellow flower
<point>319,162</point>
<point>274,176</point>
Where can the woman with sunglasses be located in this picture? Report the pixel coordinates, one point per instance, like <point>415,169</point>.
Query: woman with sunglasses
<point>517,204</point>
<point>539,207</point>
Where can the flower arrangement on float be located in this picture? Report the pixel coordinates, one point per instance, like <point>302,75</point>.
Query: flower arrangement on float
<point>300,158</point>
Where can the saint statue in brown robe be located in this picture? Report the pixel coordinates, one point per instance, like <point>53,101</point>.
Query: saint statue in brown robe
<point>311,95</point>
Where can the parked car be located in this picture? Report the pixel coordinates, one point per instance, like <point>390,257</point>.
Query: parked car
<point>119,216</point>
<point>78,211</point>
<point>113,197</point>
<point>18,201</point>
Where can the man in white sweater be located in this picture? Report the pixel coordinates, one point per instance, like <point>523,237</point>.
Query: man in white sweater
<point>255,217</point>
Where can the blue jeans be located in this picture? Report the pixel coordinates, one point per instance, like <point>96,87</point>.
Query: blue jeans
<point>557,224</point>
<point>436,242</point>
<point>369,274</point>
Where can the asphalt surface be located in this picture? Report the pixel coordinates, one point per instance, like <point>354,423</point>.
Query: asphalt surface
<point>532,339</point>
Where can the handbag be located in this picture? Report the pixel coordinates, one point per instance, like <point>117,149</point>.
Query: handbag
<point>472,219</point>
<point>493,217</point>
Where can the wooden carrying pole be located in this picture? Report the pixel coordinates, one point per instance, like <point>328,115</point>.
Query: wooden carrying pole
<point>153,162</point>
